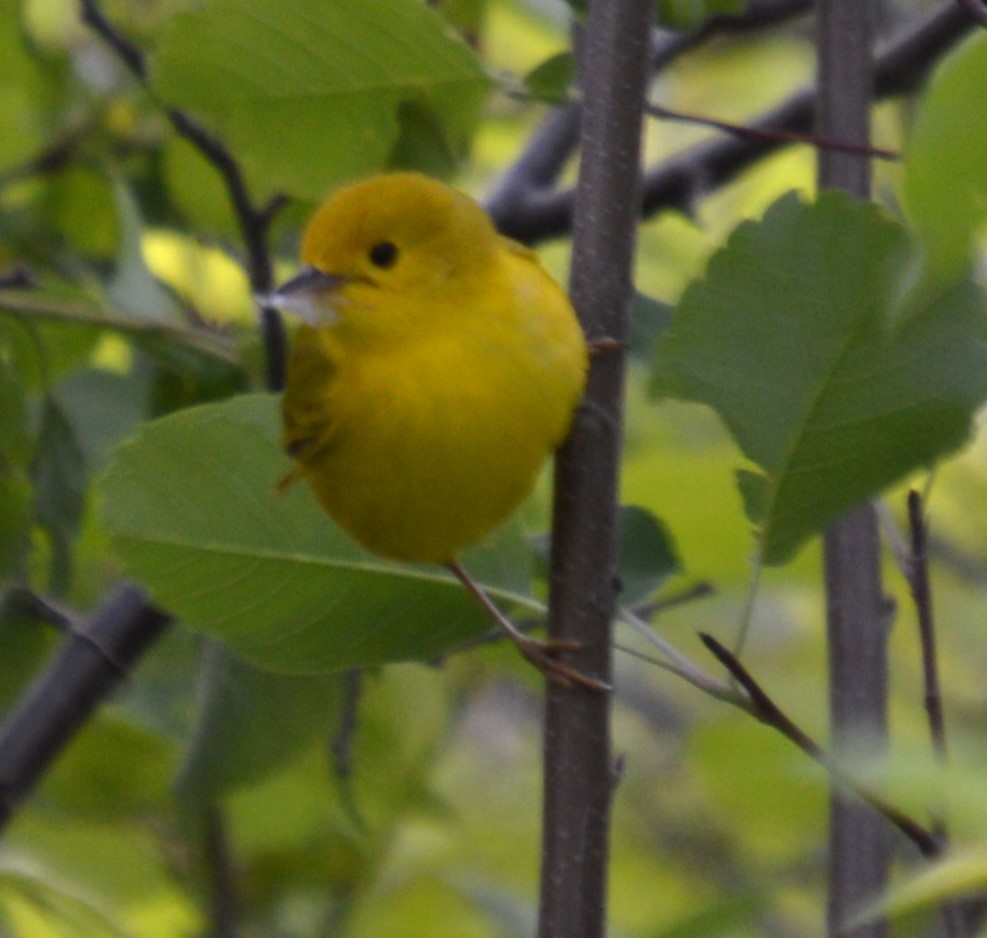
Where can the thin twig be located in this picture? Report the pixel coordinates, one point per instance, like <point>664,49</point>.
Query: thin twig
<point>20,278</point>
<point>769,713</point>
<point>126,51</point>
<point>534,174</point>
<point>688,594</point>
<point>341,745</point>
<point>254,222</point>
<point>675,183</point>
<point>20,600</point>
<point>768,135</point>
<point>921,591</point>
<point>224,905</point>
<point>673,660</point>
<point>578,766</point>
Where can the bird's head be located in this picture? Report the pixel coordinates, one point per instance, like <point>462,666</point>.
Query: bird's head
<point>382,247</point>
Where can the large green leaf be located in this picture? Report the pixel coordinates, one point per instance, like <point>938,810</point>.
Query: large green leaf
<point>945,172</point>
<point>191,508</point>
<point>308,92</point>
<point>251,722</point>
<point>833,378</point>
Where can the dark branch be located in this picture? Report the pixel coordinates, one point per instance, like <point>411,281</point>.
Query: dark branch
<point>254,222</point>
<point>533,175</point>
<point>782,137</point>
<point>126,51</point>
<point>918,583</point>
<point>92,660</point>
<point>976,9</point>
<point>680,180</point>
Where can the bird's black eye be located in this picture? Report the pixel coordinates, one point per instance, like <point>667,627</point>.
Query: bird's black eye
<point>383,254</point>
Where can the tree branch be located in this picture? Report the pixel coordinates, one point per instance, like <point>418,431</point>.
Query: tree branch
<point>975,9</point>
<point>769,713</point>
<point>677,182</point>
<point>254,222</point>
<point>89,664</point>
<point>579,771</point>
<point>856,608</point>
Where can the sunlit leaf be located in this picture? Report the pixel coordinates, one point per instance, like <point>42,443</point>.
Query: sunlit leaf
<point>945,174</point>
<point>308,93</point>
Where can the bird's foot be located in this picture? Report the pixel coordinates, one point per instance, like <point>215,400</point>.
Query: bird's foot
<point>542,654</point>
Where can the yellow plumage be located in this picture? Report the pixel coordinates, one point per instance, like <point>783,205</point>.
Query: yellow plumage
<point>438,367</point>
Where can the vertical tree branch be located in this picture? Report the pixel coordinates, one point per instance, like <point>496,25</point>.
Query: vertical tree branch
<point>579,773</point>
<point>856,610</point>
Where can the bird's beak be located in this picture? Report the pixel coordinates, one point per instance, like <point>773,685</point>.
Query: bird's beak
<point>309,295</point>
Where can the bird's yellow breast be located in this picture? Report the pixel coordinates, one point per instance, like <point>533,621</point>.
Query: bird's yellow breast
<point>420,446</point>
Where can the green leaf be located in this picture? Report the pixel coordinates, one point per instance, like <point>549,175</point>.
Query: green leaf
<point>191,508</point>
<point>250,723</point>
<point>833,378</point>
<point>103,408</point>
<point>647,554</point>
<point>24,120</point>
<point>550,81</point>
<point>649,319</point>
<point>945,173</point>
<point>308,93</point>
<point>691,14</point>
<point>88,782</point>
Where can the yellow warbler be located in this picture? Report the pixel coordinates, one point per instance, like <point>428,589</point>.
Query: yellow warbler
<point>437,367</point>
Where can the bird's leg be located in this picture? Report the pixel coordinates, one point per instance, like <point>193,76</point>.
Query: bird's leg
<point>540,654</point>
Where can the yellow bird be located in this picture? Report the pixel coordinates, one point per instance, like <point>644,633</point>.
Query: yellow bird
<point>436,369</point>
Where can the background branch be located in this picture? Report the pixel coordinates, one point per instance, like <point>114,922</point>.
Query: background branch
<point>857,612</point>
<point>94,658</point>
<point>677,182</point>
<point>761,706</point>
<point>254,221</point>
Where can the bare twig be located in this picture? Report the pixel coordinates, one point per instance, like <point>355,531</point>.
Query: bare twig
<point>224,904</point>
<point>918,583</point>
<point>126,51</point>
<point>675,184</point>
<point>777,136</point>
<point>769,713</point>
<point>20,278</point>
<point>254,221</point>
<point>341,745</point>
<point>533,175</point>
